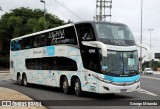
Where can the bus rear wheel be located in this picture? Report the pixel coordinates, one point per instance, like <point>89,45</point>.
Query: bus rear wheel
<point>77,87</point>
<point>65,86</point>
<point>24,80</point>
<point>19,80</point>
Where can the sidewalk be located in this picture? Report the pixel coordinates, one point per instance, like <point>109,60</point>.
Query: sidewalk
<point>8,94</point>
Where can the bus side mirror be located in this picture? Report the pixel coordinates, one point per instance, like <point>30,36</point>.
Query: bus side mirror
<point>140,59</point>
<point>97,44</point>
<point>147,49</point>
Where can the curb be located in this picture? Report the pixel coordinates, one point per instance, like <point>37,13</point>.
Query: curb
<point>4,71</point>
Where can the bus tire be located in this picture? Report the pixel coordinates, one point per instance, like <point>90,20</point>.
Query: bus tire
<point>24,80</point>
<point>19,80</point>
<point>65,86</point>
<point>77,87</point>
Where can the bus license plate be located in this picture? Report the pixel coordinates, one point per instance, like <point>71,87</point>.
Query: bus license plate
<point>123,90</point>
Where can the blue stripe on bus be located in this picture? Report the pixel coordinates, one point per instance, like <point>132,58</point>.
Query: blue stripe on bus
<point>51,50</point>
<point>122,79</point>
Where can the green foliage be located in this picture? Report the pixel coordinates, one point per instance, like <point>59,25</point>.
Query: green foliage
<point>4,59</point>
<point>155,64</point>
<point>22,21</point>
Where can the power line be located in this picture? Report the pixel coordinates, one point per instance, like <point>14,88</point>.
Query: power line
<point>73,13</point>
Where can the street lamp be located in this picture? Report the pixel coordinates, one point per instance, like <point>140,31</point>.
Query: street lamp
<point>141,35</point>
<point>150,63</point>
<point>44,8</point>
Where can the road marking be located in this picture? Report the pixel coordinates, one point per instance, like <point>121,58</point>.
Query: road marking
<point>147,92</point>
<point>150,77</point>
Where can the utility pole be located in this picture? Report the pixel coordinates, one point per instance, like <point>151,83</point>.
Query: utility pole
<point>1,9</point>
<point>101,8</point>
<point>141,35</point>
<point>44,8</point>
<point>150,63</point>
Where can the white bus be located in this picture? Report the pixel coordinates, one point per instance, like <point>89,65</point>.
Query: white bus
<point>98,57</point>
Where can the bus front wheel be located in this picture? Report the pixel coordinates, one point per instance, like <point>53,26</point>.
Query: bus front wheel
<point>65,86</point>
<point>77,87</point>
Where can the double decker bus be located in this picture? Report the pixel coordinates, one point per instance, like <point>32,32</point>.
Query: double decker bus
<point>98,57</point>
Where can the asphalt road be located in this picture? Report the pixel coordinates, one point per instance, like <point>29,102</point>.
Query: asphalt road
<point>150,90</point>
<point>155,75</point>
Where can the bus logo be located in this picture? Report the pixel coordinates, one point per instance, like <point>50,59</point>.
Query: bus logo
<point>92,51</point>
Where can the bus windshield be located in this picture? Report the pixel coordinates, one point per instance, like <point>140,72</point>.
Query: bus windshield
<point>120,63</point>
<point>114,34</point>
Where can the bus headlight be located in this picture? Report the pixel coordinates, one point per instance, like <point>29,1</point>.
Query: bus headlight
<point>101,79</point>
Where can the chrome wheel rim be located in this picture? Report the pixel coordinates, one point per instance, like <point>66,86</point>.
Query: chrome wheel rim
<point>25,81</point>
<point>77,87</point>
<point>65,85</point>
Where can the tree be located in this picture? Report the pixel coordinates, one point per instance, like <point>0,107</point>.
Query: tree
<point>22,21</point>
<point>155,64</point>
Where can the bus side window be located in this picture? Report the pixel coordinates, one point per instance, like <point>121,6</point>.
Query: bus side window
<point>37,42</point>
<point>85,32</point>
<point>43,39</point>
<point>15,45</point>
<point>51,63</point>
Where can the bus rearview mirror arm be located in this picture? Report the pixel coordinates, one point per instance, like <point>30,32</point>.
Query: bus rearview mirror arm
<point>97,44</point>
<point>146,48</point>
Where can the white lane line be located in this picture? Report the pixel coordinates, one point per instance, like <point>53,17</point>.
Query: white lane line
<point>147,92</point>
<point>150,77</point>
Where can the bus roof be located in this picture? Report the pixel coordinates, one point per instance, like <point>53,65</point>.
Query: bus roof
<point>67,25</point>
<point>44,31</point>
<point>99,22</point>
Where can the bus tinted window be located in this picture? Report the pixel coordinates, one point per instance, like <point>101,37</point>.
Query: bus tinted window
<point>114,34</point>
<point>60,36</point>
<point>85,32</point>
<point>27,43</point>
<point>15,45</point>
<point>40,40</point>
<point>63,36</point>
<point>51,63</point>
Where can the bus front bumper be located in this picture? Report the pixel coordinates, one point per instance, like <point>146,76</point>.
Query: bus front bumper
<point>118,88</point>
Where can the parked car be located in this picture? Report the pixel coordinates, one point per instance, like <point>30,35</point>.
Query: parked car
<point>148,71</point>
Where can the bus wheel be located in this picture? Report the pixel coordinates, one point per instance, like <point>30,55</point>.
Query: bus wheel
<point>25,83</point>
<point>65,86</point>
<point>77,87</point>
<point>19,80</point>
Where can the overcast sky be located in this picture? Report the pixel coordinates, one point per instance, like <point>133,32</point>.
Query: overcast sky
<point>123,11</point>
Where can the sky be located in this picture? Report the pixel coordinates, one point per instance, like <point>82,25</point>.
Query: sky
<point>123,11</point>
